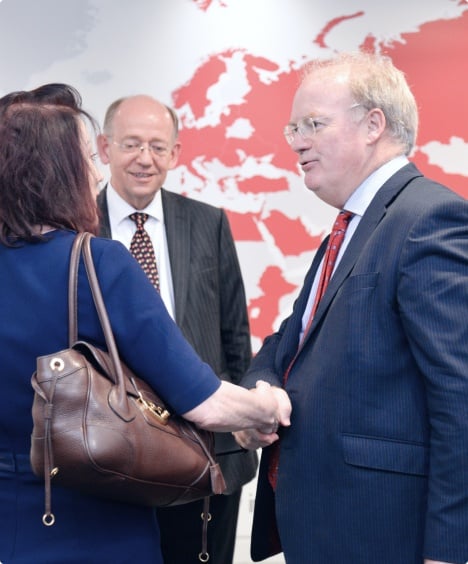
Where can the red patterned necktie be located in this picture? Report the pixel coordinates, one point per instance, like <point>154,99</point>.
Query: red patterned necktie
<point>331,253</point>
<point>142,248</point>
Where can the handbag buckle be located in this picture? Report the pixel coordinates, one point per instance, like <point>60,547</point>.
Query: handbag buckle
<point>160,413</point>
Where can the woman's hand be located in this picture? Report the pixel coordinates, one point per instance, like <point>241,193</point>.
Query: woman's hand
<point>233,408</point>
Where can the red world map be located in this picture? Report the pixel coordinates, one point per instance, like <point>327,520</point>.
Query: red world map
<point>433,58</point>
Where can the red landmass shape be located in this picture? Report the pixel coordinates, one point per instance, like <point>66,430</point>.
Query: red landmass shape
<point>260,184</point>
<point>435,64</point>
<point>320,39</point>
<point>243,226</point>
<point>266,106</point>
<point>264,310</point>
<point>290,235</point>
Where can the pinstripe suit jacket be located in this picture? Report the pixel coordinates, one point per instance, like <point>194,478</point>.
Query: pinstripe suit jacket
<point>210,303</point>
<point>374,468</point>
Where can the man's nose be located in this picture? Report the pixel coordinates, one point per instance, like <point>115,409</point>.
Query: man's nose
<point>300,144</point>
<point>145,154</point>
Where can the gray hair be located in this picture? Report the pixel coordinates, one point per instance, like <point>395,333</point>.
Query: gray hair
<point>375,82</point>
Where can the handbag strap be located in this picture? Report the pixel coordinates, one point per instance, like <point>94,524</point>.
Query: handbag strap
<point>82,247</point>
<point>72,289</point>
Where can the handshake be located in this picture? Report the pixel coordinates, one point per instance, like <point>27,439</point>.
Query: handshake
<point>276,410</point>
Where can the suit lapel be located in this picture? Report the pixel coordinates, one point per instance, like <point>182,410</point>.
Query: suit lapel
<point>104,222</point>
<point>290,340</point>
<point>370,220</point>
<point>177,224</point>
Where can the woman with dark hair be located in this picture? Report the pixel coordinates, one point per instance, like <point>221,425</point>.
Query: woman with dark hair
<point>56,93</point>
<point>44,180</point>
<point>47,185</point>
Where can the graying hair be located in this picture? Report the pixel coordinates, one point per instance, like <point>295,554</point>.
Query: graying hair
<point>112,110</point>
<point>375,82</point>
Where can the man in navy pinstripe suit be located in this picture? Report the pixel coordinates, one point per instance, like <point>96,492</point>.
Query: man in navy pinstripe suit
<point>201,286</point>
<point>374,467</point>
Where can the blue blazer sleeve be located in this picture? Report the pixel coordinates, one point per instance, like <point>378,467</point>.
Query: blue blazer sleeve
<point>147,338</point>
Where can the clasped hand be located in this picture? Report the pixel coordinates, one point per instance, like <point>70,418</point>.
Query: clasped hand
<point>265,435</point>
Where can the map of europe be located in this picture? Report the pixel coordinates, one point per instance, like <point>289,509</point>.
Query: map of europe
<point>233,91</point>
<point>238,150</point>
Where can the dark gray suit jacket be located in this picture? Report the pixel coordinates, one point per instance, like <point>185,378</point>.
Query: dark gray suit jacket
<point>210,303</point>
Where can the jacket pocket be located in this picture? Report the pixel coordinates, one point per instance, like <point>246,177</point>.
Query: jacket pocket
<point>386,454</point>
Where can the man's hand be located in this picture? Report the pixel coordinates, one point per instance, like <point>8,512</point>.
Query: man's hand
<point>252,439</point>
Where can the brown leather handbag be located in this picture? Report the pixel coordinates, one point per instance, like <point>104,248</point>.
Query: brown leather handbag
<point>100,429</point>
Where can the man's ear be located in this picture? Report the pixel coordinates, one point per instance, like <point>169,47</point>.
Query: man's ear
<point>175,152</point>
<point>376,124</point>
<point>102,144</point>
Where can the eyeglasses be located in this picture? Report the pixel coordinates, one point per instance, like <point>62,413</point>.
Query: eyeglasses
<point>307,127</point>
<point>131,147</point>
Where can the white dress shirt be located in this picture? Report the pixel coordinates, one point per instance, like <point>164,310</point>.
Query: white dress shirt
<point>123,229</point>
<point>357,204</point>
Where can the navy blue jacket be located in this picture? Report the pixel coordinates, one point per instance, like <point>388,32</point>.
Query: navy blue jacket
<point>374,468</point>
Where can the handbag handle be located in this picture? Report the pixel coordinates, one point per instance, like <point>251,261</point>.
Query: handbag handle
<point>82,246</point>
<point>72,289</point>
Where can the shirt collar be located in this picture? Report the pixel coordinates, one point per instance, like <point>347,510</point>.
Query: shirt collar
<point>360,199</point>
<point>122,209</point>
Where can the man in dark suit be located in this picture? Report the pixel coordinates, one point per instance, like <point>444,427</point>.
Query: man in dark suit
<point>200,282</point>
<point>374,467</point>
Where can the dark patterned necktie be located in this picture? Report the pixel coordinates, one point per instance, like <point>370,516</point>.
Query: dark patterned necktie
<point>142,248</point>
<point>331,253</point>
